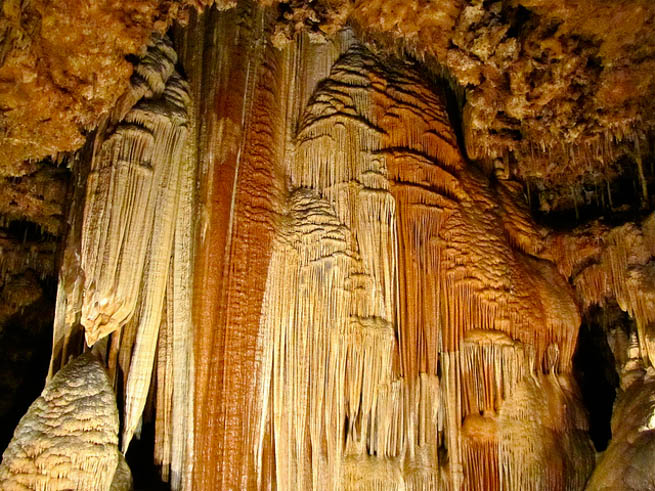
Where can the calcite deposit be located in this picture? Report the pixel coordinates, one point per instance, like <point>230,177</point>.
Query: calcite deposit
<point>626,464</point>
<point>370,303</point>
<point>68,439</point>
<point>549,89</point>
<point>330,244</point>
<point>127,264</point>
<point>62,65</point>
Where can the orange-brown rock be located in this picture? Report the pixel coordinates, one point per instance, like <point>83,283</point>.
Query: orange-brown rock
<point>548,90</point>
<point>360,288</point>
<point>63,65</point>
<point>237,84</point>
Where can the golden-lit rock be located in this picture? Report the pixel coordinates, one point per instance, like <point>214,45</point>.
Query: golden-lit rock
<point>361,289</point>
<point>292,270</point>
<point>127,264</point>
<point>63,67</point>
<point>544,82</point>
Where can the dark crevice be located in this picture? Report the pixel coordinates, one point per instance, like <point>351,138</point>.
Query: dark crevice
<point>23,230</point>
<point>25,341</point>
<point>141,462</point>
<point>595,371</point>
<point>613,201</point>
<point>520,18</point>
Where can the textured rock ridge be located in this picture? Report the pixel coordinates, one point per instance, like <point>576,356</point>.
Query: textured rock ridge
<point>395,280</point>
<point>549,92</point>
<point>239,83</point>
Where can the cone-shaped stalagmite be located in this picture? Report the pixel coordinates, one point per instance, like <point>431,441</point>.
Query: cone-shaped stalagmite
<point>69,437</point>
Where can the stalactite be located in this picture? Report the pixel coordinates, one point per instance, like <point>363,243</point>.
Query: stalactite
<point>178,453</point>
<point>160,233</point>
<point>613,264</point>
<point>68,439</point>
<point>404,234</point>
<point>125,205</point>
<point>131,250</point>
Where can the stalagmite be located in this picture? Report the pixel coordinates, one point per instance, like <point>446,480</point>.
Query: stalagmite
<point>68,439</point>
<point>122,477</point>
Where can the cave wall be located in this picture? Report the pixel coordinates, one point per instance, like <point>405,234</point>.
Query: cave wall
<point>296,277</point>
<point>369,309</point>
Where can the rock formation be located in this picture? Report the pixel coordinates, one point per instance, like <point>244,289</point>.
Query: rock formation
<point>68,439</point>
<point>391,325</point>
<point>127,264</point>
<point>626,464</point>
<point>320,245</point>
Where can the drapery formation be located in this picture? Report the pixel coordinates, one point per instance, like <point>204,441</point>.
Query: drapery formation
<point>125,282</point>
<point>340,301</point>
<point>370,311</point>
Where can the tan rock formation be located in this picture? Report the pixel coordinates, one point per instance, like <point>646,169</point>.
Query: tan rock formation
<point>360,289</point>
<point>68,439</point>
<point>289,266</point>
<point>127,264</point>
<point>613,264</point>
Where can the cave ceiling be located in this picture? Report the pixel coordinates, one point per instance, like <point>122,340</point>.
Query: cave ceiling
<point>552,90</point>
